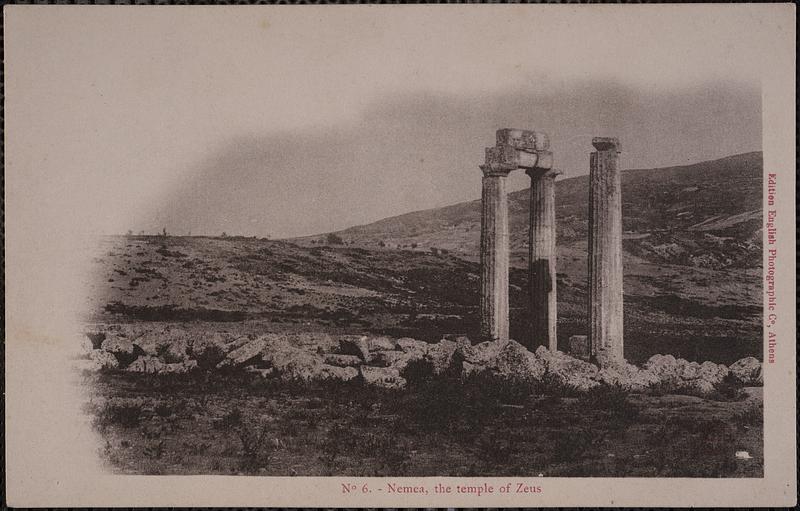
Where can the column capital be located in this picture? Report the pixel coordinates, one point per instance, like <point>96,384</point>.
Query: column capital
<point>537,173</point>
<point>496,169</point>
<point>607,144</point>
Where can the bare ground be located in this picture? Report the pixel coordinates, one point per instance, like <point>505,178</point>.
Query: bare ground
<point>184,425</point>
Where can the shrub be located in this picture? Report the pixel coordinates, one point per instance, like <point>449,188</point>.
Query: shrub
<point>388,449</point>
<point>609,398</point>
<point>96,339</point>
<point>168,408</point>
<point>122,412</point>
<point>693,447</point>
<point>729,389</point>
<point>572,444</point>
<point>499,390</point>
<point>751,416</point>
<point>209,357</point>
<point>335,442</point>
<point>154,450</point>
<point>418,372</point>
<point>252,434</point>
<point>333,239</point>
<point>436,405</point>
<point>493,450</point>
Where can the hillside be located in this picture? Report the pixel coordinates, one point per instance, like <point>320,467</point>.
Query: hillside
<point>706,215</point>
<point>692,270</point>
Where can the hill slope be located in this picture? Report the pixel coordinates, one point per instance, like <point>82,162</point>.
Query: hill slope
<point>707,214</point>
<point>692,278</point>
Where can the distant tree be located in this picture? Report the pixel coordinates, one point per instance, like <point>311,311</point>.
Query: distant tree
<point>333,239</point>
<point>381,243</point>
<point>224,235</point>
<point>129,233</point>
<point>164,232</point>
<point>141,233</point>
<point>413,245</point>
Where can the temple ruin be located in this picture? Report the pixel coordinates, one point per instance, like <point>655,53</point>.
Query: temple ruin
<point>529,150</point>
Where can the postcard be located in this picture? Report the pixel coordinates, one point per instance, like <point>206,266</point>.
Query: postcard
<point>400,256</point>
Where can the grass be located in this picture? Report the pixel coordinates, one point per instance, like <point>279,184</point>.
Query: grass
<point>443,426</point>
<point>253,434</point>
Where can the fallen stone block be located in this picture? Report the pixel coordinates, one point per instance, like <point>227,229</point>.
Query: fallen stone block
<point>292,363</point>
<point>125,350</point>
<point>409,345</point>
<point>440,355</point>
<point>355,345</point>
<point>666,367</point>
<point>335,373</point>
<point>381,344</point>
<point>712,373</point>
<point>690,371</point>
<point>104,360</point>
<point>180,367</point>
<point>627,376</point>
<point>342,360</point>
<point>385,377</point>
<point>747,371</point>
<point>146,364</point>
<point>263,373</point>
<point>568,371</point>
<point>396,359</point>
<point>244,354</point>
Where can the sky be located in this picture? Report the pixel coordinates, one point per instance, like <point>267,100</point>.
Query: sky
<point>292,121</point>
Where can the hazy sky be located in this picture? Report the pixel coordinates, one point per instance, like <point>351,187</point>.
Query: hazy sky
<point>293,121</point>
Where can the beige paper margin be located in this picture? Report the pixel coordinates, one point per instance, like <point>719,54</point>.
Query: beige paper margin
<point>48,445</point>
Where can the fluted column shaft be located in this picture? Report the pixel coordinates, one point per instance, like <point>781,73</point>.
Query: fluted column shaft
<point>605,254</point>
<point>542,260</point>
<point>494,255</point>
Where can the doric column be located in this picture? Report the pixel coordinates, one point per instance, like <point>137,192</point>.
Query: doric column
<point>542,259</point>
<point>513,149</point>
<point>494,253</point>
<point>605,253</point>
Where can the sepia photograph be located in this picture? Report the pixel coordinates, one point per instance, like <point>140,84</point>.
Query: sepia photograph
<point>403,256</point>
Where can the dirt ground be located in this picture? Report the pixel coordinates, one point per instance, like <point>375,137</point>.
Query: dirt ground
<point>201,424</point>
<point>209,423</point>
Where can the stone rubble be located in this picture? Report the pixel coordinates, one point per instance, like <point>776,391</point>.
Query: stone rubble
<point>384,362</point>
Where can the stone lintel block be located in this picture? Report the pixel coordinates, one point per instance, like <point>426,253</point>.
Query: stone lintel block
<point>606,144</point>
<point>524,140</point>
<point>508,156</point>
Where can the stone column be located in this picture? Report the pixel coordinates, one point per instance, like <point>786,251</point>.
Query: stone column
<point>605,253</point>
<point>542,259</point>
<point>494,253</point>
<point>513,149</point>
